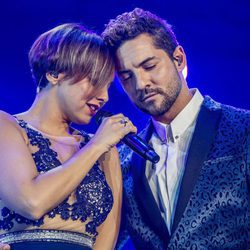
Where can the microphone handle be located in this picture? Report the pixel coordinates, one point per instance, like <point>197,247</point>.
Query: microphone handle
<point>138,146</point>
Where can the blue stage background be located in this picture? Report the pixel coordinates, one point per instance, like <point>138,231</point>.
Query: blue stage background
<point>214,34</point>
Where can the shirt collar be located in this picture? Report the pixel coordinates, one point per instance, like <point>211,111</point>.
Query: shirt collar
<point>161,129</point>
<point>182,121</point>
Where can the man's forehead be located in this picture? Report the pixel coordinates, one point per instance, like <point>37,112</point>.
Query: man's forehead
<point>135,51</point>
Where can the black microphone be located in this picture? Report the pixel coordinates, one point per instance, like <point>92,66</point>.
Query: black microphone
<point>133,141</point>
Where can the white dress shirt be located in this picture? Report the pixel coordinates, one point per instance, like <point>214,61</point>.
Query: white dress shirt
<point>171,142</point>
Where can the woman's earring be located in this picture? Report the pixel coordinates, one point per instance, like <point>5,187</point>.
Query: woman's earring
<point>54,74</point>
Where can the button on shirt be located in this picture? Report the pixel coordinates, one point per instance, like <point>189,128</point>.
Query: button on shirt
<point>171,142</point>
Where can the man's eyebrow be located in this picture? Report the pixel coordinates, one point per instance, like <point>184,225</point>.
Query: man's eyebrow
<point>139,65</point>
<point>145,61</point>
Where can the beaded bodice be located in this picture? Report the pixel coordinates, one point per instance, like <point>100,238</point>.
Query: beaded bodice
<point>93,197</point>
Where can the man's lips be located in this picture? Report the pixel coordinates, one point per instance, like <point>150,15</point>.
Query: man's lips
<point>148,96</point>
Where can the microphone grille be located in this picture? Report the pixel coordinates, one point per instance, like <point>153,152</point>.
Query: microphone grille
<point>102,114</point>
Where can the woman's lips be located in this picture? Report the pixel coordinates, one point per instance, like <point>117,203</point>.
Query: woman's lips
<point>93,108</point>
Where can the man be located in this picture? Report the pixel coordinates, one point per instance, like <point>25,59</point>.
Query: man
<point>197,195</point>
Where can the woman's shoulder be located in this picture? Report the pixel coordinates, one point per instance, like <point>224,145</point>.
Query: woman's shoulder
<point>6,119</point>
<point>4,114</point>
<point>8,123</point>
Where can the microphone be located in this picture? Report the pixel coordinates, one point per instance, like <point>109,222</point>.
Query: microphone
<point>137,144</point>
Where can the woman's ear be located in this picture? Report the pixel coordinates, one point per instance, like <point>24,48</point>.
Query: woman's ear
<point>54,77</point>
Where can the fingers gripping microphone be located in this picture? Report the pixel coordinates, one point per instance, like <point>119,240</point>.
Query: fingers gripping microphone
<point>133,141</point>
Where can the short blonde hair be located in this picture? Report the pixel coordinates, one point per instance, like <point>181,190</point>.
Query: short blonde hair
<point>73,50</point>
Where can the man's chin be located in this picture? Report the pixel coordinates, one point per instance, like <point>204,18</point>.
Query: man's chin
<point>153,111</point>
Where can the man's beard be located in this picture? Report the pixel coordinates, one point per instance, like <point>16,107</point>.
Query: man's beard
<point>168,99</point>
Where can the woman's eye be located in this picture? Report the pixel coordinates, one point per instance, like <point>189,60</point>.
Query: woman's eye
<point>125,77</point>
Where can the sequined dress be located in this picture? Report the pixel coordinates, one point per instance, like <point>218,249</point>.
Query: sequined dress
<point>73,221</point>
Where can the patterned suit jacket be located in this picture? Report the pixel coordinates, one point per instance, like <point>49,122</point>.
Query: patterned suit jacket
<point>213,206</point>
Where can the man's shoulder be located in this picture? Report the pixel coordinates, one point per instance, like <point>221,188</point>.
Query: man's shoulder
<point>230,115</point>
<point>233,128</point>
<point>214,105</point>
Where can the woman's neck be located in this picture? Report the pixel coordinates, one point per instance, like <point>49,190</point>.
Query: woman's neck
<point>45,116</point>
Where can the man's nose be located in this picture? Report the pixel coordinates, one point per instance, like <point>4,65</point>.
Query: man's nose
<point>142,80</point>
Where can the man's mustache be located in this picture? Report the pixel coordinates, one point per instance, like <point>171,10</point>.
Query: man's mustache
<point>142,94</point>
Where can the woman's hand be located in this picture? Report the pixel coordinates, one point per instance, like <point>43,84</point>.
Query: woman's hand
<point>4,246</point>
<point>112,130</point>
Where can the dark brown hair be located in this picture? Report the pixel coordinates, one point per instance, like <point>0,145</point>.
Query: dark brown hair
<point>131,24</point>
<point>73,50</point>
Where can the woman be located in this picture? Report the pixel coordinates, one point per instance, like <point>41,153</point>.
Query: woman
<point>61,188</point>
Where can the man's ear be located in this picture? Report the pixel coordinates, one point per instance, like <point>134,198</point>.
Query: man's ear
<point>54,77</point>
<point>179,58</point>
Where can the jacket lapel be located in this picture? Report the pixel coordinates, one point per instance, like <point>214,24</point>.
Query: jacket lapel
<point>143,191</point>
<point>204,134</point>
